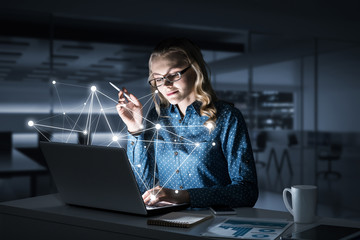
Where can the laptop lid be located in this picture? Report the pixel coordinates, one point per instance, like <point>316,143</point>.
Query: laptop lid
<point>97,177</point>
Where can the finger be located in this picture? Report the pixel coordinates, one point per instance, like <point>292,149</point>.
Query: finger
<point>153,199</point>
<point>119,106</point>
<point>121,97</point>
<point>146,194</point>
<point>150,199</point>
<point>121,94</point>
<point>146,200</point>
<point>130,97</point>
<point>135,100</point>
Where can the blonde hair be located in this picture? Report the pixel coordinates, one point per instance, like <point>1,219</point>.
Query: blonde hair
<point>189,54</point>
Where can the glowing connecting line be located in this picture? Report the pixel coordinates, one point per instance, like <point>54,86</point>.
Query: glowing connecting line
<point>93,106</point>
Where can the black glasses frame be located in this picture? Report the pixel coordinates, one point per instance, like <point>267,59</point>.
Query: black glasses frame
<point>167,80</point>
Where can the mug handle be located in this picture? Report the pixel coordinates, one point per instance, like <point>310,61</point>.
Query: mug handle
<point>287,205</point>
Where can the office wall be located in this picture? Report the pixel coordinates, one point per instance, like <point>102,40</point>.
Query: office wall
<point>339,87</point>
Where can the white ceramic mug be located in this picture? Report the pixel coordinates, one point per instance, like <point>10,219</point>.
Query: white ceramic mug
<point>303,198</point>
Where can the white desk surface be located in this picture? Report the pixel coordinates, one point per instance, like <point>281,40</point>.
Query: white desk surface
<point>50,209</point>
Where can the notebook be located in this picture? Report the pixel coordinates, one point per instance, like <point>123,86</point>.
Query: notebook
<point>97,177</point>
<point>179,219</point>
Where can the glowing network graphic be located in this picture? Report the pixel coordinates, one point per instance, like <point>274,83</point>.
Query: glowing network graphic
<point>93,111</point>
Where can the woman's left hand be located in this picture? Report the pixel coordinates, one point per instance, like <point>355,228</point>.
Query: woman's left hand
<point>159,194</point>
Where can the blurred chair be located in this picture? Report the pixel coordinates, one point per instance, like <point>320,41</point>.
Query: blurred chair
<point>5,142</point>
<point>330,154</point>
<point>292,140</point>
<point>261,139</point>
<point>84,139</point>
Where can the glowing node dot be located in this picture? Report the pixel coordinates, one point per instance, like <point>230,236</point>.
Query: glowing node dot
<point>54,82</point>
<point>84,103</point>
<point>138,165</point>
<point>152,197</point>
<point>141,126</point>
<point>144,146</point>
<point>93,88</point>
<point>209,126</point>
<point>102,110</point>
<point>64,113</point>
<point>115,138</point>
<point>174,140</point>
<point>156,91</point>
<point>158,126</point>
<point>176,191</point>
<point>213,143</point>
<point>30,123</point>
<point>85,132</point>
<point>197,144</point>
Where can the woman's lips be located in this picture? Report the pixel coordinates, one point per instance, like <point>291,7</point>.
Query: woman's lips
<point>171,93</point>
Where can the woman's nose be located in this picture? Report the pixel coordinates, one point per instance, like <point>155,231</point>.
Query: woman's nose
<point>167,82</point>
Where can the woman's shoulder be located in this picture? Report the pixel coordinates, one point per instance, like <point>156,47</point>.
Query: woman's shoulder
<point>227,110</point>
<point>224,107</point>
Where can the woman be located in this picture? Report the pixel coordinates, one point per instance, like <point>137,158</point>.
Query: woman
<point>192,147</point>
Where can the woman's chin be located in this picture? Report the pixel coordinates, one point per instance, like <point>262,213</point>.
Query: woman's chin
<point>173,100</point>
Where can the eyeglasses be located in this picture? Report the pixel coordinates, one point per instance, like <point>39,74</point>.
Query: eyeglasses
<point>158,82</point>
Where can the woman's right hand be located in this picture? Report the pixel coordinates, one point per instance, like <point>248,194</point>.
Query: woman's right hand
<point>130,111</point>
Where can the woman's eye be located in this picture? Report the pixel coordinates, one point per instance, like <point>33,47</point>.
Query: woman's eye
<point>172,76</point>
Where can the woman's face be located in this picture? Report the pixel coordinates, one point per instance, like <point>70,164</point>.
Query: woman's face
<point>180,92</point>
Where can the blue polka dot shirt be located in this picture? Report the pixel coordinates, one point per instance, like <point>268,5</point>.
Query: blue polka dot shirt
<point>216,167</point>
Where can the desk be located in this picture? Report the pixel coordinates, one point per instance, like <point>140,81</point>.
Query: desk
<point>17,164</point>
<point>47,217</point>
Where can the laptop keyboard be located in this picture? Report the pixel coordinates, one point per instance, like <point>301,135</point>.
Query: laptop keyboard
<point>151,207</point>
<point>159,205</point>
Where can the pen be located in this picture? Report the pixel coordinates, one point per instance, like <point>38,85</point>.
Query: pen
<point>127,96</point>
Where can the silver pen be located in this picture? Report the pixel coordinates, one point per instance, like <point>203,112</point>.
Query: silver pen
<point>127,96</point>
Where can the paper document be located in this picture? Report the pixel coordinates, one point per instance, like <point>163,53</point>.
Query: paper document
<point>248,228</point>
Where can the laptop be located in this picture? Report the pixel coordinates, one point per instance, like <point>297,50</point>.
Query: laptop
<point>97,177</point>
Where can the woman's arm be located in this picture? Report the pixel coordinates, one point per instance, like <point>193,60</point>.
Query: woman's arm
<point>140,151</point>
<point>243,189</point>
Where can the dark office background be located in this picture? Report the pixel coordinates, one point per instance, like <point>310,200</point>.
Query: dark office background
<point>291,67</point>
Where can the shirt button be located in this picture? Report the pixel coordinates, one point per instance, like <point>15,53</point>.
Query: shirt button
<point>176,153</point>
<point>181,138</point>
<point>177,171</point>
<point>180,120</point>
<point>181,187</point>
<point>132,143</point>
